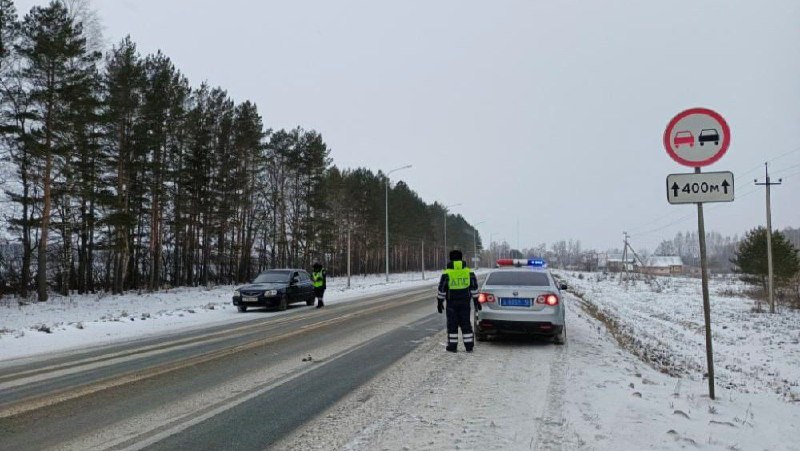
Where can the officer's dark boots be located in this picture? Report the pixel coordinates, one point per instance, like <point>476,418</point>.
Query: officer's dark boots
<point>451,348</point>
<point>320,304</point>
<point>469,347</point>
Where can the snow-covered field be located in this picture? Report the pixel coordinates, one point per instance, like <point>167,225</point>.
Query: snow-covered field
<point>629,378</point>
<point>661,320</point>
<point>64,323</point>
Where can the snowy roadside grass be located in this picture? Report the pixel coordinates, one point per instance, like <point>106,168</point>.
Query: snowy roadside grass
<point>660,320</point>
<point>78,321</point>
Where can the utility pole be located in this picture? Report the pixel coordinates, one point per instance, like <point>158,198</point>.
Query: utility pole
<point>625,254</point>
<point>770,288</point>
<point>445,228</point>
<point>491,250</point>
<point>474,248</point>
<point>475,244</point>
<point>387,215</point>
<point>348,256</point>
<point>423,259</point>
<point>628,246</point>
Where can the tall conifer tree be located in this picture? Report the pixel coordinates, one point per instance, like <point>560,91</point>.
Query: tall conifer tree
<point>55,57</point>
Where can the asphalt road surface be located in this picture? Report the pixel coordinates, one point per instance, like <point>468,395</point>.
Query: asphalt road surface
<point>242,386</point>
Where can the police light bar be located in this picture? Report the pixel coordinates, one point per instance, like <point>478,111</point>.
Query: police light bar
<point>534,262</point>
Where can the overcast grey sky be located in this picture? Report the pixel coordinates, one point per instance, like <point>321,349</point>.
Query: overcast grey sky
<point>546,112</point>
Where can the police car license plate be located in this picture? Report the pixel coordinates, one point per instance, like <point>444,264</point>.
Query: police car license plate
<point>249,299</point>
<point>515,302</point>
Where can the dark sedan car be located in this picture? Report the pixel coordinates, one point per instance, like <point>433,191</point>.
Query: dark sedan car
<point>275,288</point>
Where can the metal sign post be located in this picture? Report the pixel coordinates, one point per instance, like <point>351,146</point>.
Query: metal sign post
<point>701,231</point>
<point>699,137</point>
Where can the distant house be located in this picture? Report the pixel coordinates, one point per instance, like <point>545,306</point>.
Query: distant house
<point>615,263</point>
<point>600,260</point>
<point>663,265</point>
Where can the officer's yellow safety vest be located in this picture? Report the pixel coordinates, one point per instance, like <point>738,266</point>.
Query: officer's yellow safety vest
<point>458,276</point>
<point>317,278</point>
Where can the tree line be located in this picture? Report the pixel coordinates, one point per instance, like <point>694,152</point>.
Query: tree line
<point>720,249</point>
<point>120,175</point>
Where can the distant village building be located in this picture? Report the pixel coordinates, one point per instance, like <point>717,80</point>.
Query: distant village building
<point>663,265</point>
<point>615,263</point>
<point>601,261</point>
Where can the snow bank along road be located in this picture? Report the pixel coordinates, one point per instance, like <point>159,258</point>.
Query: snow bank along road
<point>238,386</point>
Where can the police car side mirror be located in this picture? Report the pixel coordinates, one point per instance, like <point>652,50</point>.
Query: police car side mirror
<point>563,286</point>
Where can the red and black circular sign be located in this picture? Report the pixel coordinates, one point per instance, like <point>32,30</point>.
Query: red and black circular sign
<point>697,137</point>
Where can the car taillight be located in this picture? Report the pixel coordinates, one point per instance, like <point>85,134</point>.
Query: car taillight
<point>547,299</point>
<point>485,297</point>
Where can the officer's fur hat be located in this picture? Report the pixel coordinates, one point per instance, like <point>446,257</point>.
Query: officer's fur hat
<point>317,266</point>
<point>456,255</point>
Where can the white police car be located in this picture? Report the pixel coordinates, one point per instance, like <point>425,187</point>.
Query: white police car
<point>521,297</point>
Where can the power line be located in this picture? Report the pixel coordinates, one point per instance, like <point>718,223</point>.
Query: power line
<point>780,171</point>
<point>684,218</point>
<point>739,175</point>
<point>789,175</point>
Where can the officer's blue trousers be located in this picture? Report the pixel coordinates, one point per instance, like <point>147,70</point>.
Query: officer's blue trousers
<point>458,316</point>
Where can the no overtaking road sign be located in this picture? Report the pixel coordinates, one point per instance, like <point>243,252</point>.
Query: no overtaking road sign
<point>697,137</point>
<point>700,187</point>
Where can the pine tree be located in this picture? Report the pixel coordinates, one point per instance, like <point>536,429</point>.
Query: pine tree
<point>84,182</point>
<point>124,82</point>
<point>55,55</point>
<point>8,32</point>
<point>163,112</point>
<point>12,120</point>
<point>751,258</point>
<point>248,135</point>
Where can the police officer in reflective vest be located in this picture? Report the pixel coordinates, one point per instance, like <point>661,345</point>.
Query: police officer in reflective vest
<point>457,285</point>
<point>318,279</point>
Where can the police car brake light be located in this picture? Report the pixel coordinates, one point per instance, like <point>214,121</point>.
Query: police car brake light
<point>485,297</point>
<point>547,299</point>
<point>532,262</point>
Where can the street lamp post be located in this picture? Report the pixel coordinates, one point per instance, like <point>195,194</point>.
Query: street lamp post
<point>445,227</point>
<point>491,248</point>
<point>475,243</point>
<point>387,215</point>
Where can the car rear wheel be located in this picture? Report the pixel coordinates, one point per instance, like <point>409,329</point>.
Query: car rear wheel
<point>561,338</point>
<point>479,336</point>
<point>242,308</point>
<point>310,301</point>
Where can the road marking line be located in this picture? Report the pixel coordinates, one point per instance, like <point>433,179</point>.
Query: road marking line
<point>192,419</point>
<point>48,399</point>
<point>40,374</point>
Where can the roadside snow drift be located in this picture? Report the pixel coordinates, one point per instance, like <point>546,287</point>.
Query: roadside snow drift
<point>64,323</point>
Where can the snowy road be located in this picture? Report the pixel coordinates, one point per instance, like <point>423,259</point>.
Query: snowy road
<point>132,399</point>
<point>508,394</point>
